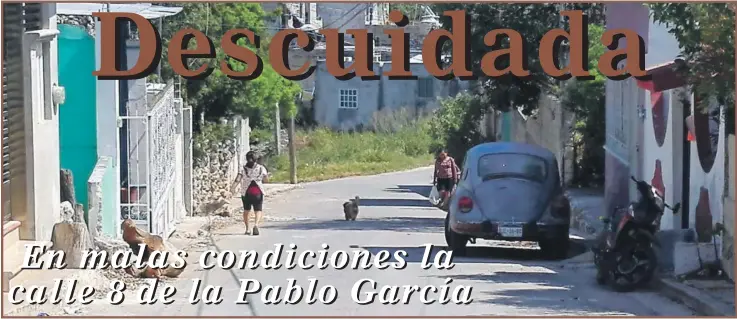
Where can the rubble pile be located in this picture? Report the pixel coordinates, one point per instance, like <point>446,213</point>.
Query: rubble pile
<point>86,22</point>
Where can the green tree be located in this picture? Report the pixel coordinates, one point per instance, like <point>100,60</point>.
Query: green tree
<point>218,96</point>
<point>532,21</point>
<point>587,99</point>
<point>456,124</point>
<point>705,32</point>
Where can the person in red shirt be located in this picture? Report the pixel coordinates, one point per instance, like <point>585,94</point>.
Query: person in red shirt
<point>445,176</point>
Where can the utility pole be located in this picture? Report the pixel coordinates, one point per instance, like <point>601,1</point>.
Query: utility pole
<point>277,130</point>
<point>292,152</point>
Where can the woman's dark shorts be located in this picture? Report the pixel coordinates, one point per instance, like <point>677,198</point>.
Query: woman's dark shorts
<point>444,185</point>
<point>253,201</point>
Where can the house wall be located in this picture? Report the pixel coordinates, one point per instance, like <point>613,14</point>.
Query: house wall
<point>623,138</point>
<point>78,116</point>
<point>707,186</point>
<point>374,95</point>
<point>729,198</point>
<point>42,140</point>
<point>663,142</point>
<point>108,141</point>
<point>103,204</point>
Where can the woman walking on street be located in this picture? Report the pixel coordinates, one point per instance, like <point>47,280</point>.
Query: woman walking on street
<point>445,176</point>
<point>252,176</point>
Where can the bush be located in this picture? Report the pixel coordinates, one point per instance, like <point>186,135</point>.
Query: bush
<point>325,154</point>
<point>456,125</point>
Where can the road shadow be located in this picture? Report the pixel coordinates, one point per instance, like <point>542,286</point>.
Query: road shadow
<point>541,287</point>
<point>545,290</point>
<point>399,224</point>
<point>480,253</point>
<point>394,202</point>
<point>422,190</point>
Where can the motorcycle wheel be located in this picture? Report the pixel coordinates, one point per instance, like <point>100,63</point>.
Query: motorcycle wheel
<point>620,283</point>
<point>600,277</point>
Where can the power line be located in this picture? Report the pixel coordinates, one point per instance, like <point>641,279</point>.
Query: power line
<point>348,12</point>
<point>353,17</point>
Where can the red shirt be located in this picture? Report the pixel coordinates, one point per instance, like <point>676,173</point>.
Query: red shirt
<point>446,168</point>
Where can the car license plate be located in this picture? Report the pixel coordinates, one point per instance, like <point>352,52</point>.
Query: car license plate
<point>510,231</point>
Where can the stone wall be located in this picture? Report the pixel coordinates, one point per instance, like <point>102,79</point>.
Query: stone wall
<point>215,173</point>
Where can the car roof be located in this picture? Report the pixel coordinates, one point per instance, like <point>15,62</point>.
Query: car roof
<point>510,147</point>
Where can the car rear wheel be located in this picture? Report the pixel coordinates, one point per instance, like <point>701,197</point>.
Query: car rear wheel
<point>456,242</point>
<point>556,248</point>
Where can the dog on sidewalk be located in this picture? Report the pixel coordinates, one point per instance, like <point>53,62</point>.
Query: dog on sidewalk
<point>350,209</point>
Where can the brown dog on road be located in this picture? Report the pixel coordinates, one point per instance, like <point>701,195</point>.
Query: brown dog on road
<point>350,208</point>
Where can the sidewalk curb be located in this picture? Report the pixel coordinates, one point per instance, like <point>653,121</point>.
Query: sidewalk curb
<point>283,189</point>
<point>694,299</point>
<point>416,169</point>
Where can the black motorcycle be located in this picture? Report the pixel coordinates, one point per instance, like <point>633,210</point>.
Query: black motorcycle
<point>624,252</point>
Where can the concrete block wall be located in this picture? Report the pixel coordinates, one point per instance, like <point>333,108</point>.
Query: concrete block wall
<point>547,128</point>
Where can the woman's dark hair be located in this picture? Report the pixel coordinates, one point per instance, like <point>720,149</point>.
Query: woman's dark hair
<point>251,156</point>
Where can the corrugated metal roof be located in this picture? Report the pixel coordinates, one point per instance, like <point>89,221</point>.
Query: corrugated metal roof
<point>147,10</point>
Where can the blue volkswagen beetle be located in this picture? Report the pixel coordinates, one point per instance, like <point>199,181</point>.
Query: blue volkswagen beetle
<point>509,191</point>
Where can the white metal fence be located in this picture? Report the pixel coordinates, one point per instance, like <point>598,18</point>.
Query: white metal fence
<point>152,195</point>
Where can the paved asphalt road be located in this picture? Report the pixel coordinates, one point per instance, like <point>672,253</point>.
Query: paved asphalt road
<point>394,215</point>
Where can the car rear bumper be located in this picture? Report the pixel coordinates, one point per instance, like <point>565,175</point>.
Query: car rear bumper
<point>492,231</point>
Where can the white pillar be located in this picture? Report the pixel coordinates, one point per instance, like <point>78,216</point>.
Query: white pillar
<point>107,104</point>
<point>42,97</point>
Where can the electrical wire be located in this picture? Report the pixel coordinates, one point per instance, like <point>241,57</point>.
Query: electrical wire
<point>347,13</point>
<point>351,18</point>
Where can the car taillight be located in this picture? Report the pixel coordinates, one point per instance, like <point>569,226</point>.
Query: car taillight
<point>465,204</point>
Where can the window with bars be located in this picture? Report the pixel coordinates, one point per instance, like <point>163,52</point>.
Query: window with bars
<point>7,216</point>
<point>425,87</point>
<point>348,99</point>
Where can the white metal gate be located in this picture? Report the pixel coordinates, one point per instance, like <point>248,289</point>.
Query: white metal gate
<point>149,197</point>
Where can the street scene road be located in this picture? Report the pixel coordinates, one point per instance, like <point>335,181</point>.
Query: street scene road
<point>509,279</point>
<point>109,163</point>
